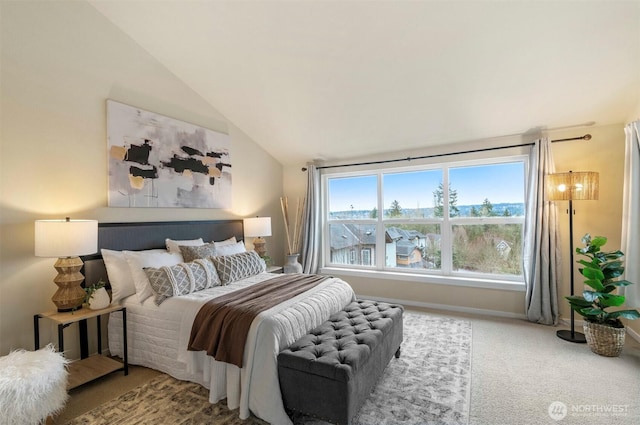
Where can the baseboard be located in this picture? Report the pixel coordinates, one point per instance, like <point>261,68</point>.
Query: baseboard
<point>633,334</point>
<point>579,322</point>
<point>446,307</point>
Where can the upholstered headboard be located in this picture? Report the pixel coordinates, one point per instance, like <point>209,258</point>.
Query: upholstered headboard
<point>151,235</point>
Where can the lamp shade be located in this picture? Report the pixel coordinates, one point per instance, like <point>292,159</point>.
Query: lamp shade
<point>66,238</point>
<point>581,185</point>
<point>257,226</point>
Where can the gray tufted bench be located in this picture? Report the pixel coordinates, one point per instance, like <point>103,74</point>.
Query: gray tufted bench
<point>329,372</point>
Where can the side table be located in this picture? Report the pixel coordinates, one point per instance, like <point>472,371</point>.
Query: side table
<point>87,368</point>
<point>274,269</point>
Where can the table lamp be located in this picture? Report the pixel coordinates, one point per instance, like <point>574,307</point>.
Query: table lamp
<point>258,227</point>
<point>67,239</point>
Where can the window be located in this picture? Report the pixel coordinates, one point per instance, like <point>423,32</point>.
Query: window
<point>457,220</point>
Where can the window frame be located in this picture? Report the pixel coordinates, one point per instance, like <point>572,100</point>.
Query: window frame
<point>444,275</point>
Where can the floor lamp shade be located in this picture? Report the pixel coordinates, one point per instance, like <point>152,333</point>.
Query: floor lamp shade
<point>578,186</point>
<point>67,240</point>
<point>258,227</point>
<point>582,185</point>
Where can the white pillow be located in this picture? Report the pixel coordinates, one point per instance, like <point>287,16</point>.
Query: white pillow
<point>119,274</point>
<point>151,258</point>
<point>229,241</point>
<point>230,249</point>
<point>173,246</point>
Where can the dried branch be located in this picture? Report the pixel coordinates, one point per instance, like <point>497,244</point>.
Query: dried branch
<point>293,235</point>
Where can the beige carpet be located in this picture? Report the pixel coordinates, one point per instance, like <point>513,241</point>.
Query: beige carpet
<point>519,370</point>
<point>429,383</point>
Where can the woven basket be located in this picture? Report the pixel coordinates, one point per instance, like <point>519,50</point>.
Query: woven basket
<point>604,340</point>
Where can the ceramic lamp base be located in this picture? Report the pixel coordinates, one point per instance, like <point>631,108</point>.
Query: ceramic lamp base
<point>258,246</point>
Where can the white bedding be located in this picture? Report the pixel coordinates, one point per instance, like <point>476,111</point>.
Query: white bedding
<point>158,338</point>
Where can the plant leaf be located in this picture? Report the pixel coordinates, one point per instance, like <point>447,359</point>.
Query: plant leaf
<point>591,296</point>
<point>613,255</point>
<point>587,263</point>
<point>598,241</point>
<point>620,283</point>
<point>578,301</point>
<point>627,314</point>
<point>593,273</point>
<point>595,284</point>
<point>611,300</point>
<point>591,312</point>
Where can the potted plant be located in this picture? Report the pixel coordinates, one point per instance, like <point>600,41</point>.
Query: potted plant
<point>603,329</point>
<point>97,296</point>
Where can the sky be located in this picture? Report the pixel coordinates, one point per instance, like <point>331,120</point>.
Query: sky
<point>499,183</point>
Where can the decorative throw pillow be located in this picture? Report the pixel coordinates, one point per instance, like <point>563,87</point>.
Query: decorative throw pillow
<point>181,279</point>
<point>234,267</point>
<point>230,249</point>
<point>190,253</point>
<point>138,260</point>
<point>173,246</point>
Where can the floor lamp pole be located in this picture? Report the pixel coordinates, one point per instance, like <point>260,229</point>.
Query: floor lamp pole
<point>572,335</point>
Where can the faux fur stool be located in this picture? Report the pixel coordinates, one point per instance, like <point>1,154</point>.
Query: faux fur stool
<point>33,385</point>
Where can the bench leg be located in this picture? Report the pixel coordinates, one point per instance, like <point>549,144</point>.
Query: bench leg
<point>398,353</point>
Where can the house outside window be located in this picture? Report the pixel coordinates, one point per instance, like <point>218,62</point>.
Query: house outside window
<point>403,221</point>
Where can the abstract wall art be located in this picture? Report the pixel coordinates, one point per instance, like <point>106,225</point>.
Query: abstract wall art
<point>157,161</point>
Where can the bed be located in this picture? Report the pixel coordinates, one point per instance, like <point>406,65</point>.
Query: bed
<point>158,335</point>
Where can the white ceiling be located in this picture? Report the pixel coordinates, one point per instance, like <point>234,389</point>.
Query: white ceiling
<point>338,79</point>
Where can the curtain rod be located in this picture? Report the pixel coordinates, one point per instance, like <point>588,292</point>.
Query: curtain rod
<point>386,161</point>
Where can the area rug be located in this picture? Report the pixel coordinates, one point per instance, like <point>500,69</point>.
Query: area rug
<point>429,384</point>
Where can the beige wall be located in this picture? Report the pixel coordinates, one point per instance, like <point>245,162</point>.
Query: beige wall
<point>60,62</point>
<point>604,153</point>
<point>635,115</point>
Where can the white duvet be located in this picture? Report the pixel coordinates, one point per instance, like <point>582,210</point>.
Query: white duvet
<point>158,338</point>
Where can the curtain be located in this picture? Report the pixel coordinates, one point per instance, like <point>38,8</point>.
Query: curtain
<point>541,245</point>
<point>311,219</point>
<point>630,208</point>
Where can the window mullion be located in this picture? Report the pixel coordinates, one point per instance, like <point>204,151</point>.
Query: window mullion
<point>446,243</point>
<point>381,248</point>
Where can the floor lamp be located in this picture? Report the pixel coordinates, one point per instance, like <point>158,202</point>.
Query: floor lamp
<point>578,186</point>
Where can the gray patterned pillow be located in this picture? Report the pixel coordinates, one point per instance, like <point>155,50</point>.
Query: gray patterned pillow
<point>190,253</point>
<point>238,266</point>
<point>181,279</point>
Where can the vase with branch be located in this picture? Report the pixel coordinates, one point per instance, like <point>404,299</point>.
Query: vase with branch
<point>293,232</point>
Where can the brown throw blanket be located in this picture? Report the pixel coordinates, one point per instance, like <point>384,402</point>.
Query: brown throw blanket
<point>222,324</point>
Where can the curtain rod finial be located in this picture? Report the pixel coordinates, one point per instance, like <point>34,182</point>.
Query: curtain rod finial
<point>304,168</point>
<point>587,137</point>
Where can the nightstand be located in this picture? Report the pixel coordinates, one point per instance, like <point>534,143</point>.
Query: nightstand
<point>88,367</point>
<point>274,269</point>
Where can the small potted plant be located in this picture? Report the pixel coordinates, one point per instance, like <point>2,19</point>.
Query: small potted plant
<point>603,329</point>
<point>97,296</point>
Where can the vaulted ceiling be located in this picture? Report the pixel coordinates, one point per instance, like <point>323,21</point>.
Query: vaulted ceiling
<point>338,79</point>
